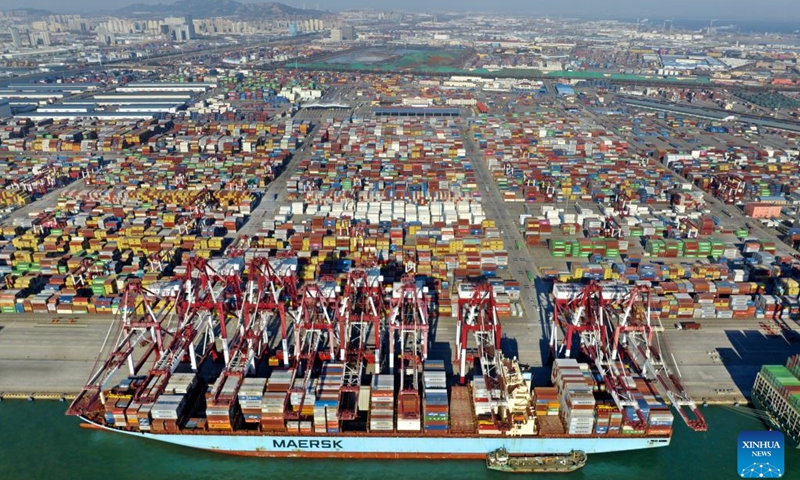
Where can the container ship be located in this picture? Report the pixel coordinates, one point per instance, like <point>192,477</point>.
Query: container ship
<point>776,391</point>
<point>236,358</point>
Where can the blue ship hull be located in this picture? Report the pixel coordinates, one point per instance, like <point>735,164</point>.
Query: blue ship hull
<point>398,446</point>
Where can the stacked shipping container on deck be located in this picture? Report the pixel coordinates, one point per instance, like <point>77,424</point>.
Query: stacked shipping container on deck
<point>381,405</point>
<point>435,408</point>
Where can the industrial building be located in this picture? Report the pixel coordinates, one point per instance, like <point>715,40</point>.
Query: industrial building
<point>417,112</point>
<point>563,90</point>
<point>67,115</point>
<point>166,87</point>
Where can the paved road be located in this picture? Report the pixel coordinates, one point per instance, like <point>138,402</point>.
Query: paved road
<point>535,325</point>
<point>47,201</point>
<point>37,355</point>
<point>720,361</point>
<point>269,203</point>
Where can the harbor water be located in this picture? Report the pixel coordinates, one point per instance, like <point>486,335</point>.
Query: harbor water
<point>39,442</point>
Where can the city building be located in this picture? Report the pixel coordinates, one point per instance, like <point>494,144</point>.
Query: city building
<point>15,39</point>
<point>343,33</point>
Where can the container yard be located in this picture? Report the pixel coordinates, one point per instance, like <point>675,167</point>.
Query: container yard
<point>344,276</point>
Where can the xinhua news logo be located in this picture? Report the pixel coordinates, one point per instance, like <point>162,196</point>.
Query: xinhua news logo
<point>761,454</point>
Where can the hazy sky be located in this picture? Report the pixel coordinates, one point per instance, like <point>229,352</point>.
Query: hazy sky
<point>783,10</point>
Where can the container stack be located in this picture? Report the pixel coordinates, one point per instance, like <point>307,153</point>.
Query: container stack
<point>435,409</point>
<point>408,411</point>
<point>166,411</point>
<point>576,400</point>
<point>546,399</point>
<point>251,396</point>
<point>303,397</point>
<point>781,378</point>
<point>579,412</point>
<point>608,421</point>
<point>793,365</point>
<point>116,411</point>
<point>327,403</point>
<point>381,406</point>
<point>273,405</point>
<point>481,402</point>
<point>480,396</point>
<point>660,421</point>
<point>181,384</point>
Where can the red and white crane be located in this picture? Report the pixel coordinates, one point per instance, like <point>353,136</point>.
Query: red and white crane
<point>262,300</point>
<point>36,183</point>
<point>359,315</point>
<point>143,322</point>
<point>215,287</point>
<point>728,187</point>
<point>635,333</point>
<point>314,325</point>
<point>477,314</point>
<point>613,323</point>
<point>622,204</point>
<point>408,327</point>
<point>272,284</point>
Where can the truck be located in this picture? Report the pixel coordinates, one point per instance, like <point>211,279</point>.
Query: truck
<point>688,326</point>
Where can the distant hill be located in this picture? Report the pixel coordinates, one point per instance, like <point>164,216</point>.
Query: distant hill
<point>218,8</point>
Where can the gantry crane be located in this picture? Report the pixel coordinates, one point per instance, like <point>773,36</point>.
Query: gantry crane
<point>48,220</point>
<point>83,274</point>
<point>728,187</point>
<point>201,308</point>
<point>548,188</point>
<point>36,183</point>
<point>215,287</point>
<point>583,312</point>
<point>313,322</point>
<point>622,203</point>
<point>635,333</point>
<point>143,324</point>
<point>359,314</point>
<point>408,326</point>
<point>613,341</point>
<point>611,228</point>
<point>477,314</point>
<point>271,286</point>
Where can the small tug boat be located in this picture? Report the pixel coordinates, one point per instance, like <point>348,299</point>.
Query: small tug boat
<point>502,461</point>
